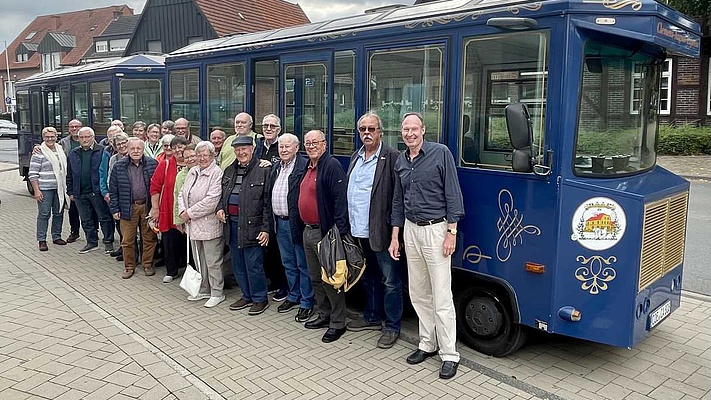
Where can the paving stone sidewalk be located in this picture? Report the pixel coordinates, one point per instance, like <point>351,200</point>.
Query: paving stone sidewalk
<point>70,326</point>
<point>690,167</point>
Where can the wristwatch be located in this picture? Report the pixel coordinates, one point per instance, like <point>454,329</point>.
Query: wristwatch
<point>452,231</point>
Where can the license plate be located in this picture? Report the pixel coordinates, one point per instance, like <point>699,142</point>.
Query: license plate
<point>658,315</point>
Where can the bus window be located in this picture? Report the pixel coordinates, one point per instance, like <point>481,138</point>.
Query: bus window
<point>185,97</point>
<point>101,106</point>
<point>23,110</point>
<point>36,111</point>
<point>140,101</point>
<point>81,104</point>
<point>498,71</point>
<point>226,95</point>
<point>617,122</point>
<point>344,103</point>
<point>403,81</point>
<point>266,93</point>
<point>66,109</point>
<point>54,112</point>
<point>306,102</point>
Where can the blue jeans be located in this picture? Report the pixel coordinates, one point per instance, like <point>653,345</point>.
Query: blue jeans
<point>49,205</point>
<point>294,260</point>
<point>248,268</point>
<point>383,287</point>
<point>91,202</point>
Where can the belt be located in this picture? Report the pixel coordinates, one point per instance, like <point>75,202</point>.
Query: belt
<point>282,218</point>
<point>429,222</point>
<point>139,202</point>
<point>313,226</point>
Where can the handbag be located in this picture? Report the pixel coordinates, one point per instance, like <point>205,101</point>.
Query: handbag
<point>192,278</point>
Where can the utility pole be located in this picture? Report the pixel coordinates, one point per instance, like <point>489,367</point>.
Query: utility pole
<point>10,89</point>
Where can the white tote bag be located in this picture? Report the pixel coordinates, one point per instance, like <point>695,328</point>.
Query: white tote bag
<point>192,279</point>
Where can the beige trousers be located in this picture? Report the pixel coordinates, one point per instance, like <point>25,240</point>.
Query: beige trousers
<point>209,254</point>
<point>430,286</point>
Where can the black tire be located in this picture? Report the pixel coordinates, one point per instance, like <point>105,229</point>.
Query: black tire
<point>30,188</point>
<point>485,323</point>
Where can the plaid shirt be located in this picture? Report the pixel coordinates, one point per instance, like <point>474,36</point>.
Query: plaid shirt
<point>280,191</point>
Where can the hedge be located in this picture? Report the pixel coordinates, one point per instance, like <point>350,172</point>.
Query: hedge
<point>684,140</point>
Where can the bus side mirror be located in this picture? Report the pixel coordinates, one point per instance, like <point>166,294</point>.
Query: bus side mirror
<point>518,122</point>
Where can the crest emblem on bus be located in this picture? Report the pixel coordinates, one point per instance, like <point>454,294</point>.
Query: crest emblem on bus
<point>598,223</point>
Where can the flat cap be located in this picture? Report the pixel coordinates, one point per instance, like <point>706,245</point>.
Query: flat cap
<point>243,141</point>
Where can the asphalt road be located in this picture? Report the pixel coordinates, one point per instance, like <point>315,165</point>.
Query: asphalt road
<point>697,267</point>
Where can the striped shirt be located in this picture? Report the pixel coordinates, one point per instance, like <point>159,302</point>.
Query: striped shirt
<point>41,171</point>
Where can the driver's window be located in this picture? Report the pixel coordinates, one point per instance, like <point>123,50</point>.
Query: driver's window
<point>500,70</point>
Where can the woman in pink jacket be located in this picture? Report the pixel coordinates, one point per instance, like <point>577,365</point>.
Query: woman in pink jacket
<point>197,204</point>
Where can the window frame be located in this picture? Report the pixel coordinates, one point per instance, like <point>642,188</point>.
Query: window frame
<point>708,89</point>
<point>210,70</point>
<point>102,46</point>
<point>669,76</point>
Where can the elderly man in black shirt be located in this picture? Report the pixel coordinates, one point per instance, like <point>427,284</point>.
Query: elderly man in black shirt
<point>427,205</point>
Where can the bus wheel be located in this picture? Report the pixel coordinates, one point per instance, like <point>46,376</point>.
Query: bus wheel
<point>30,188</point>
<point>485,323</point>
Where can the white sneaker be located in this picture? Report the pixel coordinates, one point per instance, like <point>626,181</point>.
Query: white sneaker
<point>213,301</point>
<point>201,296</point>
<point>167,279</point>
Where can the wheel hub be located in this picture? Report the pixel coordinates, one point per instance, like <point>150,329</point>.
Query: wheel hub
<point>483,317</point>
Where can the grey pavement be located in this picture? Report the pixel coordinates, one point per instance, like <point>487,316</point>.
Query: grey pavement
<point>71,328</point>
<point>690,167</point>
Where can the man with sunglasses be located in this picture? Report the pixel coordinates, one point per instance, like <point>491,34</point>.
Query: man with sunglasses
<point>371,182</point>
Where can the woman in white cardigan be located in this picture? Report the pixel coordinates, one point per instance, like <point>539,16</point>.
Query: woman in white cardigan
<point>48,176</point>
<point>197,203</point>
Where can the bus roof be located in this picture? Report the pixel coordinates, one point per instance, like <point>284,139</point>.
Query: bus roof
<point>138,63</point>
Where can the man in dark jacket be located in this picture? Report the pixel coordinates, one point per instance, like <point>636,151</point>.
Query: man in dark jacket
<point>129,191</point>
<point>371,182</point>
<point>83,187</point>
<point>245,207</point>
<point>322,203</point>
<point>284,183</point>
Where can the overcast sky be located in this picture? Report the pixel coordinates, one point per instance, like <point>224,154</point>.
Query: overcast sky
<point>16,15</point>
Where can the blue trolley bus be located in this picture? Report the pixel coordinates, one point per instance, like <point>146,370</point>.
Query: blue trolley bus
<point>129,88</point>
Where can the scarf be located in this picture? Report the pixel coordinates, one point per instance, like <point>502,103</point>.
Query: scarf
<point>59,166</point>
<point>153,151</point>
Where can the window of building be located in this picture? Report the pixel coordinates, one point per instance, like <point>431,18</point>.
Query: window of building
<point>102,47</point>
<point>31,35</point>
<point>226,95</point>
<point>50,61</point>
<point>407,80</point>
<point>118,44</point>
<point>664,88</point>
<point>154,46</point>
<point>22,57</point>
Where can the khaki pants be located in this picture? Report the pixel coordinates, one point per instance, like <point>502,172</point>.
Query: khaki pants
<point>430,285</point>
<point>129,230</point>
<point>208,253</point>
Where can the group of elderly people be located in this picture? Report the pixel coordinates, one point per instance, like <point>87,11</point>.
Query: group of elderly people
<point>270,206</point>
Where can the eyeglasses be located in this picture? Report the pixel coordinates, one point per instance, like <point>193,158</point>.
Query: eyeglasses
<point>313,144</point>
<point>270,126</point>
<point>369,129</point>
<point>120,144</point>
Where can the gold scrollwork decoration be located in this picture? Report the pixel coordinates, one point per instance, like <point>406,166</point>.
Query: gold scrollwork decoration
<point>530,7</point>
<point>595,272</point>
<point>474,255</point>
<point>510,226</point>
<point>636,5</point>
<point>255,47</point>
<point>331,36</point>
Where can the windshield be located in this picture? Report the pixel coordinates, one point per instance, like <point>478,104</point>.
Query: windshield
<point>617,121</point>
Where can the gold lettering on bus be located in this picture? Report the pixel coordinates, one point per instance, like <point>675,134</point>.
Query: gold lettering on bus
<point>679,37</point>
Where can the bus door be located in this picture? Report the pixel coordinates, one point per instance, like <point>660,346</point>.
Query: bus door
<point>305,93</point>
<point>508,234</point>
<point>52,107</point>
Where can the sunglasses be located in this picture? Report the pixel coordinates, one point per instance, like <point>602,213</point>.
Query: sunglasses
<point>369,129</point>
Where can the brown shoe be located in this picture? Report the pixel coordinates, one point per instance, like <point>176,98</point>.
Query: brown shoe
<point>240,304</point>
<point>43,246</point>
<point>59,242</point>
<point>73,238</point>
<point>127,273</point>
<point>149,271</point>
<point>258,308</point>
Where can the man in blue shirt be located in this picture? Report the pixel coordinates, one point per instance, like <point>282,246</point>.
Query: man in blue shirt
<point>427,205</point>
<point>371,182</point>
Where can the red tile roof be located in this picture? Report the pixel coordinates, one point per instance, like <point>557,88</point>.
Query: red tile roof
<point>230,17</point>
<point>83,25</point>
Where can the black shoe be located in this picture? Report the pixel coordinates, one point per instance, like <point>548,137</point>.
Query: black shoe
<point>286,306</point>
<point>280,295</point>
<point>304,314</point>
<point>116,252</point>
<point>318,323</point>
<point>448,369</point>
<point>333,334</point>
<point>419,356</point>
<point>119,257</point>
<point>72,238</point>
